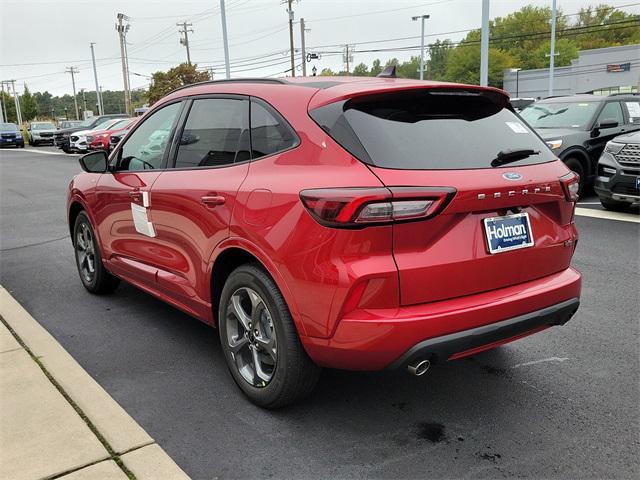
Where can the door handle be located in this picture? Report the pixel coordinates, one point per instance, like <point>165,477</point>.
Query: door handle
<point>213,200</point>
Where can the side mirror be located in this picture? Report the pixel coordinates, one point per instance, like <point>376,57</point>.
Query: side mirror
<point>94,162</point>
<point>607,123</point>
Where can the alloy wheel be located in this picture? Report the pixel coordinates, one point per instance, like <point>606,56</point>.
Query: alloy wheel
<point>85,252</point>
<point>251,337</point>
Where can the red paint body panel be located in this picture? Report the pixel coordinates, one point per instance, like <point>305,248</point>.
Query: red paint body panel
<point>359,297</point>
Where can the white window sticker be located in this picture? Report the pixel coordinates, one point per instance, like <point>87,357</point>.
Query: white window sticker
<point>634,109</point>
<point>141,220</point>
<point>517,127</point>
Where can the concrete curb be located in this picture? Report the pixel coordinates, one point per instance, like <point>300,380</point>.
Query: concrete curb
<point>118,429</point>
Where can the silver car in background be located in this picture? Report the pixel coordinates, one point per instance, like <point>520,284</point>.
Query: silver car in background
<point>41,132</point>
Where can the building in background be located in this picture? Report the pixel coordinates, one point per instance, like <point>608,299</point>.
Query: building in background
<point>601,70</point>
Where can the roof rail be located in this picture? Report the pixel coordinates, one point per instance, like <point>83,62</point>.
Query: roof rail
<point>622,93</point>
<point>276,81</point>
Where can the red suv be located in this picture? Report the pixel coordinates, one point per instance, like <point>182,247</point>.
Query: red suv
<point>354,223</point>
<point>102,140</point>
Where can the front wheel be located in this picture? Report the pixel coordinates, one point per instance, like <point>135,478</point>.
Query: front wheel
<point>260,342</point>
<point>93,275</point>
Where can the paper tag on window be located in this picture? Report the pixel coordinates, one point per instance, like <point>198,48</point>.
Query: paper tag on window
<point>517,127</point>
<point>141,220</point>
<point>634,109</point>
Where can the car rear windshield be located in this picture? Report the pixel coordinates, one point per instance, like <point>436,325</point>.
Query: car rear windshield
<point>429,129</point>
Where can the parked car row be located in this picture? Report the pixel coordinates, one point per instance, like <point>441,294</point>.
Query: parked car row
<point>583,130</point>
<point>73,139</point>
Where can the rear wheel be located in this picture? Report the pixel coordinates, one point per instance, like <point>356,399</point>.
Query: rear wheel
<point>576,165</point>
<point>93,275</point>
<point>614,205</point>
<point>260,342</point>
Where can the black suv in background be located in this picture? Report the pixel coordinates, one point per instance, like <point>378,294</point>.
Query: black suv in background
<point>618,180</point>
<point>577,128</point>
<point>61,138</point>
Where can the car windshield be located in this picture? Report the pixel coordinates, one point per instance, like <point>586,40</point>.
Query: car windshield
<point>43,126</point>
<point>560,114</point>
<point>8,127</point>
<point>120,124</point>
<point>87,122</point>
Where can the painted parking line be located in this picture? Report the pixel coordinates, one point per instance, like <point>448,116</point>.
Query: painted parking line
<point>604,214</point>
<point>43,152</point>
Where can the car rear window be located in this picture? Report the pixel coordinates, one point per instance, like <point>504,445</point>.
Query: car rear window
<point>429,129</point>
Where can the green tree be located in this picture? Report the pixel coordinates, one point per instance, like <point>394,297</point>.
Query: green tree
<point>10,107</point>
<point>410,69</point>
<point>464,65</point>
<point>28,105</point>
<point>438,58</point>
<point>327,72</point>
<point>164,82</point>
<point>361,70</point>
<point>627,33</point>
<point>376,68</point>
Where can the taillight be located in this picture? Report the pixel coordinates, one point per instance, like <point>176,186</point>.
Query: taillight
<point>571,185</point>
<point>361,207</point>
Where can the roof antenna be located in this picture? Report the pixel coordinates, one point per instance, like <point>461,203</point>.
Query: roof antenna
<point>388,72</point>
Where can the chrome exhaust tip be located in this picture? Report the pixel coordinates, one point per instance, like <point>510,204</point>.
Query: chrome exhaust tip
<point>419,367</point>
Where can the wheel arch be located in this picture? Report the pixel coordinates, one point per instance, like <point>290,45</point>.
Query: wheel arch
<point>236,252</point>
<point>582,156</point>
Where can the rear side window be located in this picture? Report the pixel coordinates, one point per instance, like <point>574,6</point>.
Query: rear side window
<point>430,129</point>
<point>215,134</point>
<point>269,133</point>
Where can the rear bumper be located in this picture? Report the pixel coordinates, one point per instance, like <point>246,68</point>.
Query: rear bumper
<point>474,340</point>
<point>449,329</point>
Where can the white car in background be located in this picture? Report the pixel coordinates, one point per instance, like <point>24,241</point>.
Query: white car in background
<point>41,132</point>
<point>78,141</point>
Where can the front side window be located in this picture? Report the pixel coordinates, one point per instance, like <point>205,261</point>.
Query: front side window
<point>268,134</point>
<point>145,148</point>
<point>576,115</point>
<point>215,134</point>
<point>612,111</point>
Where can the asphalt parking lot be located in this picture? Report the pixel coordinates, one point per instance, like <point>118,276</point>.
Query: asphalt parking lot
<point>560,404</point>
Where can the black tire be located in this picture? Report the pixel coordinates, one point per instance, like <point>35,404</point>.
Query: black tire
<point>614,205</point>
<point>293,375</point>
<point>21,145</point>
<point>575,165</point>
<point>96,279</point>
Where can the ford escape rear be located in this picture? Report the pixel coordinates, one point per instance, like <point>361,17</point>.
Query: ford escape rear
<point>353,223</point>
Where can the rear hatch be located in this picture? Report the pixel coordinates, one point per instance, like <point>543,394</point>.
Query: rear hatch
<point>504,214</point>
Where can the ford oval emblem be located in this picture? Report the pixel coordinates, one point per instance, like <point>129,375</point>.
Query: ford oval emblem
<point>512,176</point>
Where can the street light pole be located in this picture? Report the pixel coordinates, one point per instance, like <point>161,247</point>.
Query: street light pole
<point>552,50</point>
<point>423,18</point>
<point>223,18</point>
<point>484,45</point>
<point>293,59</point>
<point>302,46</point>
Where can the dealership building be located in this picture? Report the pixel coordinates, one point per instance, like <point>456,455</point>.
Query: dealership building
<point>601,70</point>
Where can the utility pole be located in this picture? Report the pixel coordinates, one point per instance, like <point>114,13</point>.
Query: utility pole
<point>122,33</point>
<point>95,77</point>
<point>3,110</point>
<point>185,40</point>
<point>293,59</point>
<point>304,51</point>
<point>84,100</point>
<point>552,51</point>
<point>223,19</point>
<point>484,45</point>
<point>423,18</point>
<point>73,71</point>
<point>16,98</point>
<point>347,56</point>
